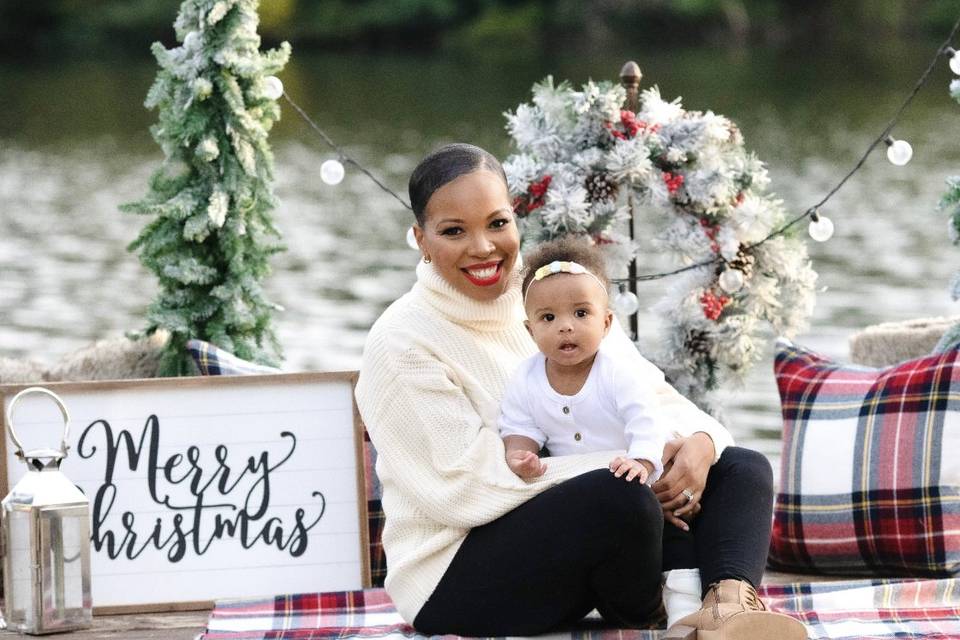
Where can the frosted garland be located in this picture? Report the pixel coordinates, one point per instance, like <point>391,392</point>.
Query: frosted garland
<point>578,156</point>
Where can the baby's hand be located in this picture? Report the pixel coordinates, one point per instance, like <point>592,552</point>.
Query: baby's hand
<point>525,464</point>
<point>639,469</point>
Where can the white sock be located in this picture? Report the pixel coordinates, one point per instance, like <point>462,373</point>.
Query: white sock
<point>681,593</point>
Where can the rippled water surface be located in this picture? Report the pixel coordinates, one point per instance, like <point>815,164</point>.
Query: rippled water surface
<point>74,145</point>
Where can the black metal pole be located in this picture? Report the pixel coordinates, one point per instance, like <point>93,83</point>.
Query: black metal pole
<point>630,76</point>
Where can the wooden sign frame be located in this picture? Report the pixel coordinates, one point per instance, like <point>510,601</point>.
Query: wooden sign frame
<point>192,385</point>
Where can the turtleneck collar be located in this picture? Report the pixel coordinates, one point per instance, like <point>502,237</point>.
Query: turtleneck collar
<point>493,315</point>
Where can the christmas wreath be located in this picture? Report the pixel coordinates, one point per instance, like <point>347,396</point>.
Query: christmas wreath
<point>579,157</point>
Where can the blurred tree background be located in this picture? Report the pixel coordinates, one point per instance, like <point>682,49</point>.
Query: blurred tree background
<point>56,28</point>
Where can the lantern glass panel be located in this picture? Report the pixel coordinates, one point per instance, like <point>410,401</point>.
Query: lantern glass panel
<point>64,535</point>
<point>19,565</point>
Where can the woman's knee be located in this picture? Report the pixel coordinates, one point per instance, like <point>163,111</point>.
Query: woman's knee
<point>747,464</point>
<point>626,504</point>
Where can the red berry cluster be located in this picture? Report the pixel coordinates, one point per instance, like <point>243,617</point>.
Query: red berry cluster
<point>630,126</point>
<point>739,199</point>
<point>533,198</point>
<point>713,305</point>
<point>599,239</point>
<point>673,182</point>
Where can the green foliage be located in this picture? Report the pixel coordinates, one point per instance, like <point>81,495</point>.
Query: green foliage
<point>211,232</point>
<point>499,27</point>
<point>53,26</point>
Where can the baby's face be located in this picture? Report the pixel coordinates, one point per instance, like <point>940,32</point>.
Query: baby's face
<point>567,316</point>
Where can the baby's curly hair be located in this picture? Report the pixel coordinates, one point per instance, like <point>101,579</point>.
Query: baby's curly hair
<point>567,248</point>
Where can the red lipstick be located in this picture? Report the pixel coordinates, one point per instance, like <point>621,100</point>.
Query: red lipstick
<point>484,280</point>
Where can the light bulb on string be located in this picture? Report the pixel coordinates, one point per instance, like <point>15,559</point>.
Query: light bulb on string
<point>821,227</point>
<point>954,59</point>
<point>626,301</point>
<point>899,152</point>
<point>412,240</point>
<point>272,87</point>
<point>731,280</point>
<point>331,172</point>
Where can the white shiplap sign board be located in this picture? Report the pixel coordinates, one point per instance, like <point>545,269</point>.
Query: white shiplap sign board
<point>207,488</point>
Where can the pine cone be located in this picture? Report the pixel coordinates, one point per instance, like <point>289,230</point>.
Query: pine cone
<point>744,262</point>
<point>697,342</point>
<point>601,187</point>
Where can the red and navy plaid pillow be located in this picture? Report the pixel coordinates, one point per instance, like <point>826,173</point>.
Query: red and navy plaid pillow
<point>870,478</point>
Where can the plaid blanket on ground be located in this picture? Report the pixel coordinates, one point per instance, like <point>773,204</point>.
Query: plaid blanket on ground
<point>836,610</point>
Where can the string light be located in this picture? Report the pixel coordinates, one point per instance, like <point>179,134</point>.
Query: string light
<point>332,172</point>
<point>731,280</point>
<point>625,301</point>
<point>899,152</point>
<point>954,59</point>
<point>342,154</point>
<point>821,227</point>
<point>412,240</point>
<point>272,87</point>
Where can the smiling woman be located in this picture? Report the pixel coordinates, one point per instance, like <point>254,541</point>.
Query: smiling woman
<point>466,226</point>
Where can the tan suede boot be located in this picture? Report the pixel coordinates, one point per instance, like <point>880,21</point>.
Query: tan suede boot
<point>733,611</point>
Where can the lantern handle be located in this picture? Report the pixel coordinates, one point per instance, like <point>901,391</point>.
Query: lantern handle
<point>63,411</point>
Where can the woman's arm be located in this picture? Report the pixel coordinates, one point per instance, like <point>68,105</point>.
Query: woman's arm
<point>432,444</point>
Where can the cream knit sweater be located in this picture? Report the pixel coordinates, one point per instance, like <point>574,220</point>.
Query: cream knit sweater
<point>434,369</point>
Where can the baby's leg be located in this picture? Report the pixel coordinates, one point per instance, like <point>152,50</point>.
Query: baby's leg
<point>681,578</point>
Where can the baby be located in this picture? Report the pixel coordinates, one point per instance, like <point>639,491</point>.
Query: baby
<point>574,396</point>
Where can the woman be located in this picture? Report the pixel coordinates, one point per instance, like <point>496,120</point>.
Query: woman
<point>471,548</point>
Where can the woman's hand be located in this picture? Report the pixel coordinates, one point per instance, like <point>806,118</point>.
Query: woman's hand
<point>525,464</point>
<point>686,462</point>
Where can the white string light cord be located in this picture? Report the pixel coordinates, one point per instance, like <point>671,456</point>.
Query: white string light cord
<point>899,153</point>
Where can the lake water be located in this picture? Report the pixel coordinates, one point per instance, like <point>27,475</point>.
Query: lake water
<point>74,145</point>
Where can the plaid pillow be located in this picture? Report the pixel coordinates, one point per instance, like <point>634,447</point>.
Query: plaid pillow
<point>865,487</point>
<point>213,361</point>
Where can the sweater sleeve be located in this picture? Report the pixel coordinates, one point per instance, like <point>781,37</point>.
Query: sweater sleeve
<point>679,414</point>
<point>432,443</point>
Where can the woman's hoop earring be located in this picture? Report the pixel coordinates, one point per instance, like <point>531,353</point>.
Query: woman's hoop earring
<point>427,259</point>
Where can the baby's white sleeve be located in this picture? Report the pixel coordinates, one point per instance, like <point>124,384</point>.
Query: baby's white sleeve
<point>516,418</point>
<point>637,406</point>
<point>677,412</point>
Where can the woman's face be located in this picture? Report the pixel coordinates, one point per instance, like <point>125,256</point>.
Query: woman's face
<point>470,234</point>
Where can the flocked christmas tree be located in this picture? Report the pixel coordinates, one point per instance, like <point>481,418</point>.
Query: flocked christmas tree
<point>211,235</point>
<point>951,201</point>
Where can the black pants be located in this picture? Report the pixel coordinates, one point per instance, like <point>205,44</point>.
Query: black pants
<point>597,541</point>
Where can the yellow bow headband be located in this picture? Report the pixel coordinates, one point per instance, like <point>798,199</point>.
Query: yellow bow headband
<point>561,266</point>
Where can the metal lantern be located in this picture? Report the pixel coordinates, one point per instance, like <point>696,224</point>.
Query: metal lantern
<point>46,539</point>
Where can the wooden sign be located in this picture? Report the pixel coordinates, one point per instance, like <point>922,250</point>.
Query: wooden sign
<point>208,488</point>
